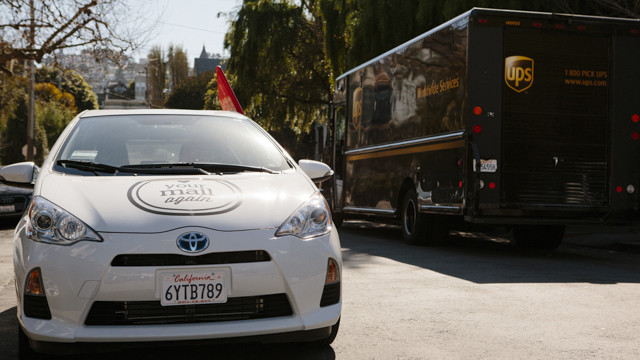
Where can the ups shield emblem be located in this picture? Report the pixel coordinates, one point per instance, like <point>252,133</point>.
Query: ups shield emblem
<point>518,72</point>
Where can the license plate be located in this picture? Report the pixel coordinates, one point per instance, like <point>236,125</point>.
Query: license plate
<point>193,287</point>
<point>7,208</point>
<point>490,165</point>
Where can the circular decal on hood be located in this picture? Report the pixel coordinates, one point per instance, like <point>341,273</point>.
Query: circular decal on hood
<point>185,197</point>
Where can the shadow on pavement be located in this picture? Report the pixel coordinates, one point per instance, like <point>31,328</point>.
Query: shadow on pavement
<point>492,258</point>
<point>8,334</point>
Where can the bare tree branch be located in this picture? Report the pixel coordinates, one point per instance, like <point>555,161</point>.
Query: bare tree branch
<point>62,24</point>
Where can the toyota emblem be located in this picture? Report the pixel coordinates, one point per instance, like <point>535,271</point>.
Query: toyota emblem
<point>192,242</point>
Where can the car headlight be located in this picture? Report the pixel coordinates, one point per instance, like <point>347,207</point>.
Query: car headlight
<point>51,224</point>
<point>310,220</point>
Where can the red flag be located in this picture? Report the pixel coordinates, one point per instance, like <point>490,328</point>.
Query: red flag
<point>228,99</point>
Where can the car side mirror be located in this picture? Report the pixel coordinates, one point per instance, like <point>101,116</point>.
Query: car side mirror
<point>22,174</point>
<point>316,170</point>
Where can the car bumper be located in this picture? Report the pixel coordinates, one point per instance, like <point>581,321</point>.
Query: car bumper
<point>75,277</point>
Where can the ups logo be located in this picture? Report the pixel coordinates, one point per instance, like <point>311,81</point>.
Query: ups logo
<point>518,72</point>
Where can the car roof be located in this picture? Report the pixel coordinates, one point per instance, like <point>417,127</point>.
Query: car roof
<point>230,114</point>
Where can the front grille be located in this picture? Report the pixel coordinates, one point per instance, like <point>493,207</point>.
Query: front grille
<point>18,201</point>
<point>330,295</point>
<point>153,313</point>
<point>233,257</point>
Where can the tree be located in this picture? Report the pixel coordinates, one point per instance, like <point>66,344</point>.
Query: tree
<point>71,82</point>
<point>156,74</point>
<point>52,117</point>
<point>359,30</point>
<point>29,30</point>
<point>178,65</point>
<point>15,134</point>
<point>131,89</point>
<point>54,110</point>
<point>277,61</point>
<point>190,94</point>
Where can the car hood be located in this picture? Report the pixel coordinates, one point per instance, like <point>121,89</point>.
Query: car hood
<point>160,203</point>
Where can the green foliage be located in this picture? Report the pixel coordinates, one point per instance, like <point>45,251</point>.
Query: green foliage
<point>190,94</point>
<point>178,65</point>
<point>157,79</point>
<point>359,30</point>
<point>53,117</point>
<point>55,107</point>
<point>131,89</point>
<point>47,92</point>
<point>71,82</point>
<point>211,101</point>
<point>15,134</point>
<point>276,64</point>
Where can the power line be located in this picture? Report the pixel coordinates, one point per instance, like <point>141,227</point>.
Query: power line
<point>191,27</point>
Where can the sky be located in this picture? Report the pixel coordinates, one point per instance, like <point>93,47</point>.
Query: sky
<point>190,23</point>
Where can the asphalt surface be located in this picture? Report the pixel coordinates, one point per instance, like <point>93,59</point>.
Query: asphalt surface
<point>475,297</point>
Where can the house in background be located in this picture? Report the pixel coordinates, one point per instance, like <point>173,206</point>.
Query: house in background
<point>207,62</point>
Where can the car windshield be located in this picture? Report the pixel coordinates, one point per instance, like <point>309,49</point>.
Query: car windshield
<point>168,144</point>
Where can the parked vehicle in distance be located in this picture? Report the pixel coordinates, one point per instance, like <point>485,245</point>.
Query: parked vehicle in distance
<point>173,225</point>
<point>13,201</point>
<point>496,118</point>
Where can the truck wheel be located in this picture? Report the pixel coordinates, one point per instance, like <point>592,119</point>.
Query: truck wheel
<point>419,228</point>
<point>538,237</point>
<point>414,224</point>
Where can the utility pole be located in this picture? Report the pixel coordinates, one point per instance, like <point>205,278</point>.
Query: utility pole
<point>32,81</point>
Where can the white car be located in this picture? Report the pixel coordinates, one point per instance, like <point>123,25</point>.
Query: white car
<point>170,225</point>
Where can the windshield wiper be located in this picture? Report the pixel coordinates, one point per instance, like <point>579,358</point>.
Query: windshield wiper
<point>163,169</point>
<point>177,169</point>
<point>89,166</point>
<point>233,168</point>
<point>147,169</point>
<point>205,168</point>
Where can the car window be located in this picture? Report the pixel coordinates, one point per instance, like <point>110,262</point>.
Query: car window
<point>170,139</point>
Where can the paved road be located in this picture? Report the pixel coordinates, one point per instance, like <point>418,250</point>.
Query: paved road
<point>477,297</point>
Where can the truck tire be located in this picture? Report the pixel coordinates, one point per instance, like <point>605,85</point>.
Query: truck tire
<point>419,228</point>
<point>538,237</point>
<point>414,224</point>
